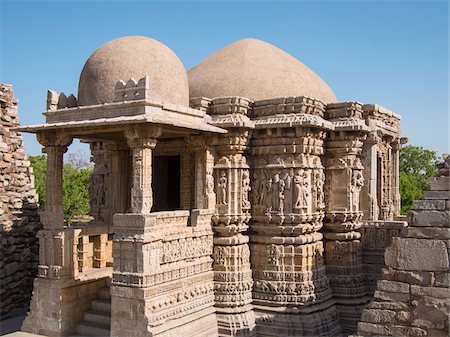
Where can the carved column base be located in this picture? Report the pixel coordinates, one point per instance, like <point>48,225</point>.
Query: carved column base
<point>297,322</point>
<point>236,321</point>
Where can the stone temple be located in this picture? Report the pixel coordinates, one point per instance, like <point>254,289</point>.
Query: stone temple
<point>239,198</point>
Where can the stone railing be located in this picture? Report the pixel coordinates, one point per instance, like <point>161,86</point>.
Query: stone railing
<point>93,250</point>
<point>81,252</point>
<point>376,236</point>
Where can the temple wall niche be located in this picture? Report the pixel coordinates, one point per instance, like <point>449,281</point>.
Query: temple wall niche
<point>19,219</point>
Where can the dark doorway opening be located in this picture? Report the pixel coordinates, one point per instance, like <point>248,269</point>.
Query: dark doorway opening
<point>166,183</point>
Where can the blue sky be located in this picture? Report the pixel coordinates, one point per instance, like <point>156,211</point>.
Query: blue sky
<point>393,53</point>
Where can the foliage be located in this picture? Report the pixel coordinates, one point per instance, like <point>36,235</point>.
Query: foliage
<point>39,165</point>
<point>76,175</point>
<point>417,165</point>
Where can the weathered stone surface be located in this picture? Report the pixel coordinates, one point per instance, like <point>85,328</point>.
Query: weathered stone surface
<point>378,329</point>
<point>429,218</point>
<point>442,280</point>
<point>411,277</point>
<point>391,286</point>
<point>378,316</point>
<point>439,184</point>
<point>391,296</point>
<point>430,291</point>
<point>419,259</point>
<point>19,219</point>
<point>428,233</point>
<point>417,255</point>
<point>438,205</point>
<point>437,195</point>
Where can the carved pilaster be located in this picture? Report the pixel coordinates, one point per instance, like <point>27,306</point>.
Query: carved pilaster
<point>291,294</point>
<point>232,274</point>
<point>141,142</point>
<point>344,181</point>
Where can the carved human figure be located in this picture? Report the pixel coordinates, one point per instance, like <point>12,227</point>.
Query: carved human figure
<point>222,189</point>
<point>357,184</point>
<point>209,182</point>
<point>97,188</point>
<point>319,183</point>
<point>276,192</point>
<point>268,194</point>
<point>281,188</point>
<point>245,189</point>
<point>301,189</point>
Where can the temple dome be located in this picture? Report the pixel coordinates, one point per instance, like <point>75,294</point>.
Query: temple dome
<point>133,57</point>
<point>257,70</point>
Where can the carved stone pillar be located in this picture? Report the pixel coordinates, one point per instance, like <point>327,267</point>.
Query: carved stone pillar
<point>119,176</point>
<point>344,180</point>
<point>203,153</point>
<point>55,145</point>
<point>232,273</point>
<point>56,285</point>
<point>141,142</point>
<point>291,294</point>
<point>369,195</point>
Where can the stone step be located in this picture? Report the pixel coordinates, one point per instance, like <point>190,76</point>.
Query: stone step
<point>101,305</point>
<point>92,329</point>
<point>98,317</point>
<point>104,294</point>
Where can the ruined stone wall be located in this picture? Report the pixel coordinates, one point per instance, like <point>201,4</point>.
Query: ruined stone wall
<point>413,297</point>
<point>19,219</point>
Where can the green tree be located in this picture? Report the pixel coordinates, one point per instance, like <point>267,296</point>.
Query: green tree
<point>76,175</point>
<point>417,165</point>
<point>39,165</point>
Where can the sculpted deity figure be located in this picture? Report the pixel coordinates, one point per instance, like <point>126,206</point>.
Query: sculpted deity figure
<point>97,187</point>
<point>267,194</point>
<point>319,183</point>
<point>301,189</point>
<point>276,192</point>
<point>245,189</point>
<point>357,184</point>
<point>222,189</point>
<point>209,182</point>
<point>281,188</point>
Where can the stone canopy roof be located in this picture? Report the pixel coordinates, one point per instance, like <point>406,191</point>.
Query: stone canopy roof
<point>256,70</point>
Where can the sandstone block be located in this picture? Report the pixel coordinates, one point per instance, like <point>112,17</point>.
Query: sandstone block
<point>429,218</point>
<point>428,233</point>
<point>373,328</point>
<point>411,277</point>
<point>442,280</point>
<point>402,331</point>
<point>388,305</point>
<point>403,317</point>
<point>417,255</point>
<point>437,195</point>
<point>438,205</point>
<point>392,286</point>
<point>440,184</point>
<point>378,316</point>
<point>436,292</point>
<point>394,297</point>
